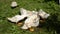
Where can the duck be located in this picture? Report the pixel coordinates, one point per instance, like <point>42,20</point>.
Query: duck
<point>32,21</point>
<point>16,18</point>
<point>43,14</point>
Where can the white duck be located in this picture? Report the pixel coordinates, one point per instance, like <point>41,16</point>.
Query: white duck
<point>43,14</point>
<point>17,18</point>
<point>32,21</point>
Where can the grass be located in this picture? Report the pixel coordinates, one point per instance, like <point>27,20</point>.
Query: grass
<point>7,27</point>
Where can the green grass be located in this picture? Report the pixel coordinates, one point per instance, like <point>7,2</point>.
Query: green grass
<point>7,27</point>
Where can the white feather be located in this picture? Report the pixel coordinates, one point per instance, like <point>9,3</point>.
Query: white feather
<point>13,4</point>
<point>23,11</point>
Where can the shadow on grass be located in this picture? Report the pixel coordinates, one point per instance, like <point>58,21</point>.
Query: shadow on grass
<point>57,1</point>
<point>52,24</point>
